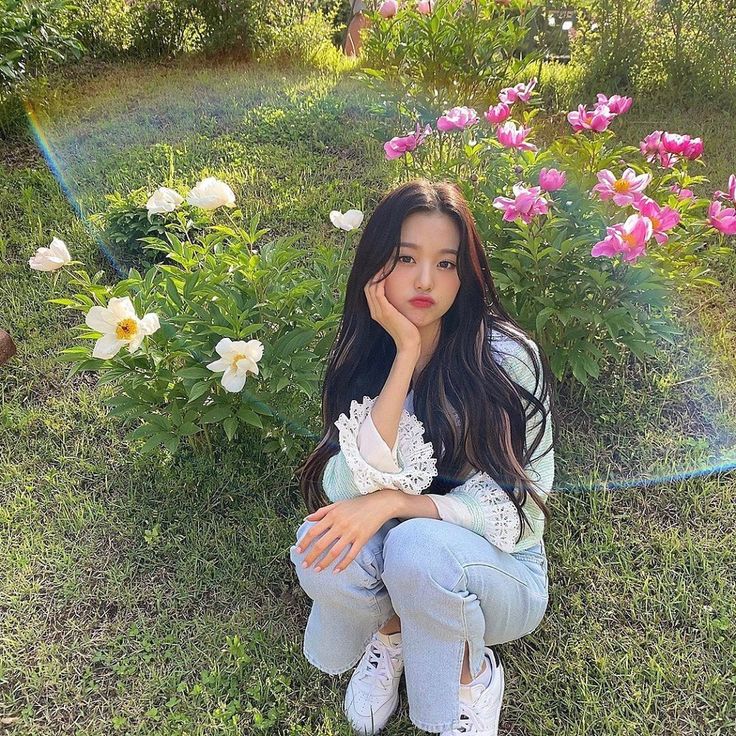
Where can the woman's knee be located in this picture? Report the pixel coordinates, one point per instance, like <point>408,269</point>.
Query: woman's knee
<point>415,552</point>
<point>324,583</point>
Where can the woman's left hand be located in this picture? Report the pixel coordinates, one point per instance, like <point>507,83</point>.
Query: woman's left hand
<point>352,521</point>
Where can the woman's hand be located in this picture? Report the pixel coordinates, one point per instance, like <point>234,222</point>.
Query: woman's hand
<point>403,331</point>
<point>352,521</point>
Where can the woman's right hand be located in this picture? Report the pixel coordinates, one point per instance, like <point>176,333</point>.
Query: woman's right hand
<point>403,331</point>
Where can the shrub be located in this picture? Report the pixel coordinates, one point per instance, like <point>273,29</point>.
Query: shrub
<point>126,225</point>
<point>223,299</point>
<point>215,288</point>
<point>305,38</point>
<point>33,39</point>
<point>681,50</point>
<point>461,53</point>
<point>577,263</point>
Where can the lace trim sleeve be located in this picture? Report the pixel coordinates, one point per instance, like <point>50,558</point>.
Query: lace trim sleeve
<point>416,457</point>
<point>494,515</point>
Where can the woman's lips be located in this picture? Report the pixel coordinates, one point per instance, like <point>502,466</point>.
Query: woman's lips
<point>421,303</point>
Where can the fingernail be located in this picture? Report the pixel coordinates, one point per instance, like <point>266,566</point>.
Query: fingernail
<point>335,569</point>
<point>304,564</point>
<point>317,569</point>
<point>298,549</point>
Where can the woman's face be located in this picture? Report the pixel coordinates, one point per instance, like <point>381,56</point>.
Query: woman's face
<point>427,266</point>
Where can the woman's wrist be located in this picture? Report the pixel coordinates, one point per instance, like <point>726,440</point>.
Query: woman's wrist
<point>400,505</point>
<point>409,353</point>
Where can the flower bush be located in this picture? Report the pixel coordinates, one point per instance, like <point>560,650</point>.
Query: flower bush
<point>589,237</point>
<point>439,53</point>
<point>226,334</point>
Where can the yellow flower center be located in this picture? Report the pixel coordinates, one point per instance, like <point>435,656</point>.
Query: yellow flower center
<point>236,358</point>
<point>629,238</point>
<point>655,222</point>
<point>126,329</point>
<point>621,185</point>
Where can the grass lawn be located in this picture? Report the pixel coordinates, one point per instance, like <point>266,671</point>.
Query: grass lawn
<point>156,596</point>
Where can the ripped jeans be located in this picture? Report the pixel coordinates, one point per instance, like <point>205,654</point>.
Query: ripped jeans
<point>447,584</point>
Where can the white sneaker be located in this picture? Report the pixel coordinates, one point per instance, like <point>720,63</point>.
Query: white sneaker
<point>481,710</point>
<point>372,695</point>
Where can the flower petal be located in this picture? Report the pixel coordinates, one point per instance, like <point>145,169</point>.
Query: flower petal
<point>107,347</point>
<point>149,324</point>
<point>233,380</point>
<point>101,319</point>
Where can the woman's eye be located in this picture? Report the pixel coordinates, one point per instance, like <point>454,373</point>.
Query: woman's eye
<point>451,266</point>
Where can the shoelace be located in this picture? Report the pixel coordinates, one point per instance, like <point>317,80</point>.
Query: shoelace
<point>380,664</point>
<point>470,715</point>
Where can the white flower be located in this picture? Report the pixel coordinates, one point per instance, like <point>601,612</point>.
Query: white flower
<point>349,221</point>
<point>119,326</point>
<point>211,193</point>
<point>237,358</point>
<point>51,258</point>
<point>163,200</point>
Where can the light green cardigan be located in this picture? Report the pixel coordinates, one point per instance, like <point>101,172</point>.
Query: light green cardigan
<point>478,504</point>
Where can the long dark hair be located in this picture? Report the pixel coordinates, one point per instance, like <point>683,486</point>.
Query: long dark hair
<point>462,375</point>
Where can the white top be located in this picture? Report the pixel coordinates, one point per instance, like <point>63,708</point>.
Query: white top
<point>378,454</point>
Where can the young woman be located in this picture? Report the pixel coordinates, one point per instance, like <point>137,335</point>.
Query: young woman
<point>427,490</point>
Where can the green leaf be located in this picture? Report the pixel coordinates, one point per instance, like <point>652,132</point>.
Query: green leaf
<point>217,414</point>
<point>188,428</point>
<point>250,417</point>
<point>145,430</point>
<point>198,390</point>
<point>171,442</point>
<point>173,293</point>
<point>194,372</point>
<point>543,316</point>
<point>153,442</point>
<point>230,425</point>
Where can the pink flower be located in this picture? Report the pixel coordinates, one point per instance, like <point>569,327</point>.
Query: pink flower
<point>694,149</point>
<point>662,218</point>
<point>623,191</point>
<point>651,145</point>
<point>458,118</point>
<point>609,246</point>
<point>667,160</point>
<point>616,104</point>
<point>551,179</point>
<point>522,92</point>
<point>512,137</point>
<point>389,8</point>
<point>722,219</point>
<point>683,193</point>
<point>731,193</point>
<point>596,120</point>
<point>424,7</point>
<point>400,145</point>
<point>628,238</point>
<point>675,143</point>
<point>527,204</point>
<point>497,114</point>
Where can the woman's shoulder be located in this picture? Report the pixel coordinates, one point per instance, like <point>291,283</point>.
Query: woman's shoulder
<point>507,339</point>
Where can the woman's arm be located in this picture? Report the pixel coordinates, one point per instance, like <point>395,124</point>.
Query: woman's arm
<point>387,410</point>
<point>404,506</point>
<point>348,473</point>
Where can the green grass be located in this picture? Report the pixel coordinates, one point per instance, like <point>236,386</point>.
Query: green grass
<point>157,597</point>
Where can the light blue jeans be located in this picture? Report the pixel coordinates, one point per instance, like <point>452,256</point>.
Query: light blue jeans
<point>447,584</point>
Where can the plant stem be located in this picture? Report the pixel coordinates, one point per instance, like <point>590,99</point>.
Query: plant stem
<point>207,438</point>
